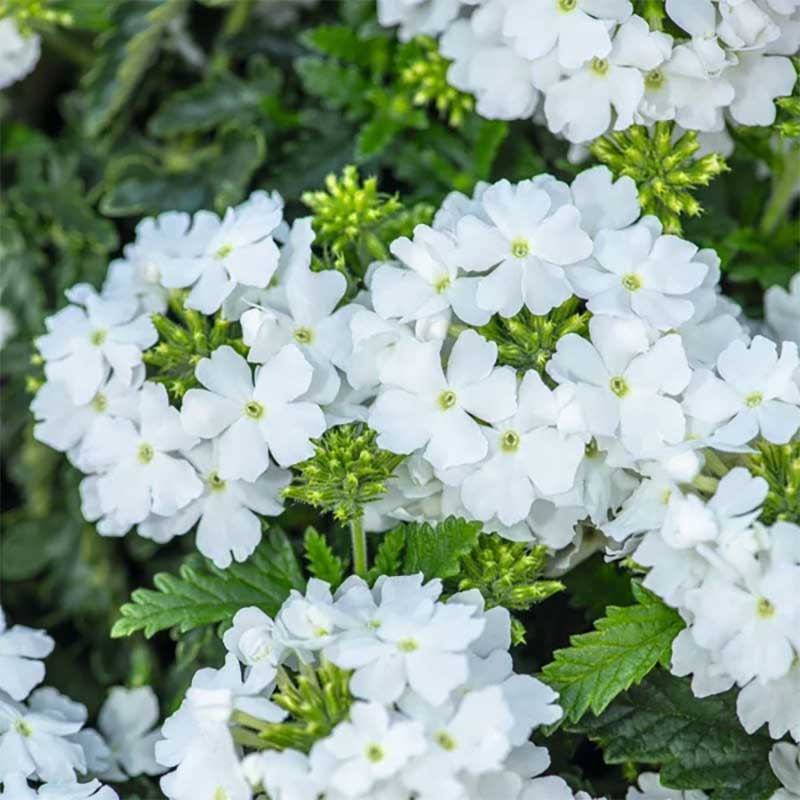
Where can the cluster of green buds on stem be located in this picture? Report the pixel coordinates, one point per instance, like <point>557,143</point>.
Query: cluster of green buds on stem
<point>31,14</point>
<point>347,471</point>
<point>425,74</point>
<point>665,170</point>
<point>183,341</point>
<point>527,341</point>
<point>779,466</point>
<point>317,699</point>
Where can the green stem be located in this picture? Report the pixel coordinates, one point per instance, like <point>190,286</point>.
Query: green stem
<point>705,484</point>
<point>784,188</point>
<point>359,542</point>
<point>716,464</point>
<point>248,739</point>
<point>243,718</point>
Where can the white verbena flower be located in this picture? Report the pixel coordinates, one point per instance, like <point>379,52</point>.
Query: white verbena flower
<point>21,651</point>
<point>254,419</point>
<point>18,54</point>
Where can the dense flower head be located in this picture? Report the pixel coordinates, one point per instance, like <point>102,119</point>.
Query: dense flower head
<point>429,702</point>
<point>593,67</point>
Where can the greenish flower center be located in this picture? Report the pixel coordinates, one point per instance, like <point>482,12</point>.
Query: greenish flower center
<point>375,753</point>
<point>447,399</point>
<point>303,335</point>
<point>98,338</point>
<point>654,79</point>
<point>520,248</point>
<point>22,728</point>
<point>407,645</point>
<point>442,285</point>
<point>100,403</point>
<point>223,252</point>
<point>619,386</point>
<point>567,5</point>
<point>509,442</point>
<point>146,453</point>
<point>764,608</point>
<point>215,483</point>
<point>631,282</point>
<point>599,66</point>
<point>220,794</point>
<point>754,399</point>
<point>445,740</point>
<point>253,409</point>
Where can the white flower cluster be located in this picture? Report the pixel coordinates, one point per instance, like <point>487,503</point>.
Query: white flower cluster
<point>595,65</point>
<point>43,738</point>
<point>785,762</point>
<point>18,54</point>
<point>221,459</point>
<point>437,710</point>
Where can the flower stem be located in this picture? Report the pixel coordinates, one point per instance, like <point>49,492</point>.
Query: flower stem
<point>359,541</point>
<point>784,188</point>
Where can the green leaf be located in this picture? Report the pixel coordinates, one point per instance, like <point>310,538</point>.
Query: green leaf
<point>376,136</point>
<point>126,52</point>
<point>208,595</point>
<point>323,563</point>
<point>627,643</point>
<point>434,550</point>
<point>698,743</point>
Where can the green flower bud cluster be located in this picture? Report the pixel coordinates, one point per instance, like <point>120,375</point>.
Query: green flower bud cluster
<point>788,123</point>
<point>347,471</point>
<point>425,76</point>
<point>527,341</point>
<point>507,573</point>
<point>779,465</point>
<point>348,208</point>
<point>665,171</point>
<point>317,700</point>
<point>183,341</point>
<point>28,13</point>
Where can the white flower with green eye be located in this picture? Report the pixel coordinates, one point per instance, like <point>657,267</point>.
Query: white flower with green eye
<point>624,386</point>
<point>21,652</point>
<point>421,406</point>
<point>142,469</point>
<point>254,419</point>
<point>529,457</point>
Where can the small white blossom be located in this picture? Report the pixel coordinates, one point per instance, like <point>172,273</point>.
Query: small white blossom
<point>21,651</point>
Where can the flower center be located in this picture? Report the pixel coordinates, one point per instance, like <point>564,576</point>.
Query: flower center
<point>509,442</point>
<point>445,740</point>
<point>520,248</point>
<point>219,794</point>
<point>321,632</point>
<point>447,399</point>
<point>567,5</point>
<point>22,728</point>
<point>407,645</point>
<point>754,399</point>
<point>666,496</point>
<point>631,282</point>
<point>599,66</point>
<point>97,338</point>
<point>654,79</point>
<point>375,753</point>
<point>256,644</point>
<point>619,386</point>
<point>764,608</point>
<point>442,285</point>
<point>215,483</point>
<point>100,403</point>
<point>303,335</point>
<point>145,453</point>
<point>253,409</point>
<point>223,252</point>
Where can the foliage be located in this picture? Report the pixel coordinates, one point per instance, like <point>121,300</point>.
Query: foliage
<point>434,550</point>
<point>625,646</point>
<point>779,466</point>
<point>322,562</point>
<point>206,594</point>
<point>698,744</point>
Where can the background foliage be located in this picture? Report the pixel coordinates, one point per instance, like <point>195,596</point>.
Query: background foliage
<point>143,106</point>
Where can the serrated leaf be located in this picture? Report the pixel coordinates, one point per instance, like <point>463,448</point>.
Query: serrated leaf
<point>204,596</point>
<point>323,563</point>
<point>376,136</point>
<point>434,550</point>
<point>698,743</point>
<point>627,643</point>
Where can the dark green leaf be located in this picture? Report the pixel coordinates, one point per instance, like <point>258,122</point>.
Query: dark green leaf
<point>627,643</point>
<point>323,563</point>
<point>203,596</point>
